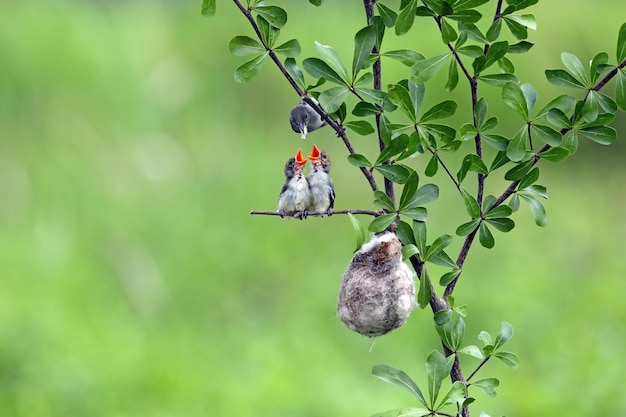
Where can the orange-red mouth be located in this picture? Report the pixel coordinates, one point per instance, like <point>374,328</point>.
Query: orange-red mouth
<point>315,153</point>
<point>300,160</point>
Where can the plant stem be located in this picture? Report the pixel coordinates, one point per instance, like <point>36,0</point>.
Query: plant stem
<point>480,365</point>
<point>296,213</point>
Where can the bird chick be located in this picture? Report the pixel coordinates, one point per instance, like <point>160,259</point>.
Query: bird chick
<point>377,289</point>
<point>322,190</point>
<point>305,119</point>
<point>295,195</point>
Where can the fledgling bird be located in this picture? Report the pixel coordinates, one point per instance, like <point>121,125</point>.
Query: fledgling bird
<point>377,289</point>
<point>322,190</point>
<point>304,119</point>
<point>295,196</point>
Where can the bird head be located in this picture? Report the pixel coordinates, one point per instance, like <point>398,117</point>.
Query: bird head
<point>300,161</point>
<point>299,119</point>
<point>320,159</point>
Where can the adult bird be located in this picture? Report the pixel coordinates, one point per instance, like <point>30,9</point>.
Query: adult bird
<point>304,119</point>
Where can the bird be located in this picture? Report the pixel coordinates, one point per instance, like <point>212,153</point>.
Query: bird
<point>295,195</point>
<point>377,290</point>
<point>320,184</point>
<point>305,119</point>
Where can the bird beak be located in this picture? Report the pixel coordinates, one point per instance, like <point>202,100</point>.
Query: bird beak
<point>315,153</point>
<point>303,130</point>
<point>299,159</point>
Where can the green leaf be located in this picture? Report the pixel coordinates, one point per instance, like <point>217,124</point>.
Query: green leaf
<point>436,373</point>
<point>244,45</point>
<point>487,385</point>
<point>537,190</point>
<point>364,41</point>
<point>389,16</point>
<point>508,358</point>
<point>494,30</point>
<point>400,378</point>
<point>480,111</point>
<point>472,350</point>
<point>331,57</point>
<point>425,69</point>
<point>274,15</point>
<point>448,277</point>
<point>438,245</point>
<point>497,80</point>
<point>318,68</point>
<point>404,412</point>
<point>536,208</point>
<point>395,147</point>
<point>546,134</point>
<point>419,233</point>
<point>407,57</point>
<point>362,109</point>
<point>443,259</point>
<point>408,191</point>
<point>558,118</point>
<point>604,135</point>
<point>448,34</point>
<point>467,228</point>
<point>453,76</point>
<point>485,337</point>
<point>520,47</point>
<point>505,334</point>
<point>358,230</point>
<point>425,194</point>
<point>424,293</point>
<point>382,222</point>
<point>247,71</point>
<point>527,20</point>
<point>590,108</point>
<point>518,171</point>
<point>514,98</point>
<point>359,160</point>
<point>597,63</point>
<point>555,154</point>
<point>399,95</point>
<point>529,179</point>
<point>406,18</point>
<point>516,149</point>
<point>620,89</point>
<point>208,8</point>
<point>405,233</point>
<point>502,224</point>
<point>331,99</point>
<point>473,51</point>
<point>496,51</point>
<point>295,72</point>
<point>621,44</point>
<point>416,213</point>
<point>455,395</point>
<point>394,173</point>
<point>383,201</point>
<point>361,127</point>
<point>441,110</point>
<point>408,251</point>
<point>472,207</point>
<point>316,2</point>
<point>290,49</point>
<point>433,165</point>
<point>562,78</point>
<point>564,103</point>
<point>575,67</point>
<point>485,237</point>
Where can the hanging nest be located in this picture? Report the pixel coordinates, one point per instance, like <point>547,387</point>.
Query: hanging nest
<point>377,289</point>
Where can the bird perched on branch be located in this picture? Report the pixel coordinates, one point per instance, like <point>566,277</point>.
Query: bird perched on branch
<point>305,119</point>
<point>377,289</point>
<point>295,196</point>
<point>322,190</point>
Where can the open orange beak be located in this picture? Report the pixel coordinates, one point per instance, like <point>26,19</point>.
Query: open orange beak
<point>315,153</point>
<point>299,159</point>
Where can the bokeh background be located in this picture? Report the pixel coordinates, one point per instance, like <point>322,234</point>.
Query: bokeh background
<point>134,281</point>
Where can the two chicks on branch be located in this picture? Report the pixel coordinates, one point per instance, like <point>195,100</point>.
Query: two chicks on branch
<point>314,193</point>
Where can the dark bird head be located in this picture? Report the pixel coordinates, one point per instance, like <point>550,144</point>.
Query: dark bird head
<point>304,119</point>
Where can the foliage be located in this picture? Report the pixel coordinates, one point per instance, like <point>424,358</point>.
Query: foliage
<point>415,141</point>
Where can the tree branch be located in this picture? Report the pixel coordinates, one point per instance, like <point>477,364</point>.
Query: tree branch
<point>296,214</point>
<point>338,128</point>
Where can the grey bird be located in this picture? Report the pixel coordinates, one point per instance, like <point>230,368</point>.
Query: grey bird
<point>295,195</point>
<point>304,119</point>
<point>322,190</point>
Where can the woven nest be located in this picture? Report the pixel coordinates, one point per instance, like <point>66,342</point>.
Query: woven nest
<point>377,289</point>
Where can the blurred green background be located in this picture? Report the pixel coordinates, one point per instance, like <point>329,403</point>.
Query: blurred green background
<point>134,282</point>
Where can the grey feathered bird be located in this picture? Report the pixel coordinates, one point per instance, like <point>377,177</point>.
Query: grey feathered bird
<point>295,195</point>
<point>322,190</point>
<point>304,119</point>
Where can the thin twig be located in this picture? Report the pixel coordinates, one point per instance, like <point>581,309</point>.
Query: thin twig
<point>480,365</point>
<point>296,214</point>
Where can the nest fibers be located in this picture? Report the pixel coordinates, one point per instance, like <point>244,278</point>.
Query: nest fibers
<point>377,290</point>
